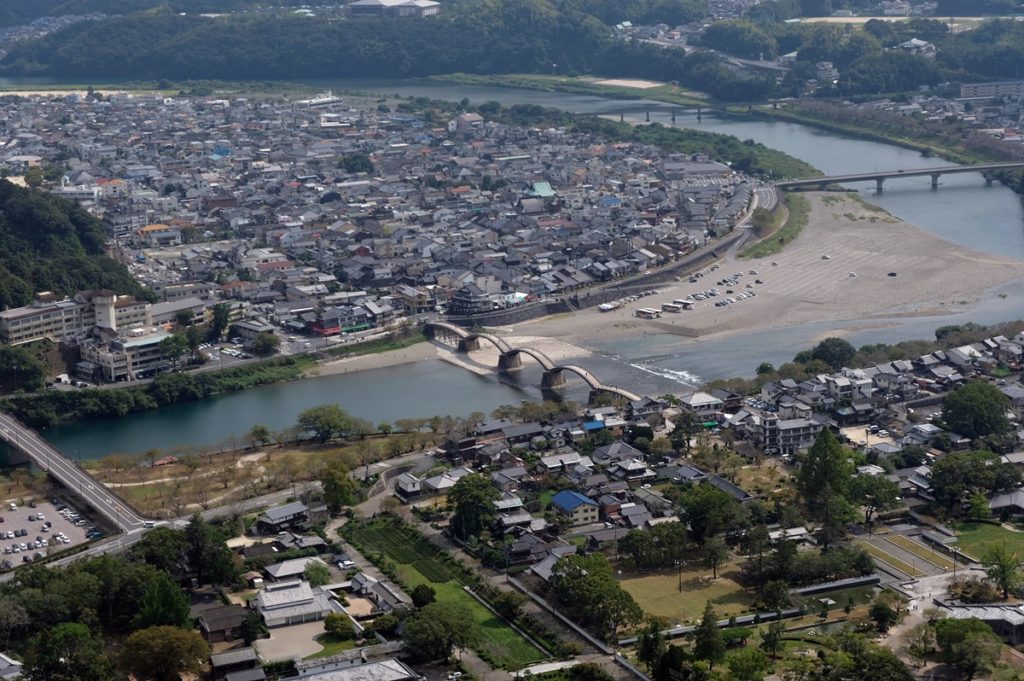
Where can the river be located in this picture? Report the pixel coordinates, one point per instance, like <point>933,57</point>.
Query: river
<point>963,210</point>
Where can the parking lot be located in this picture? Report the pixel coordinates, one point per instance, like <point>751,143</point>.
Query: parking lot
<point>33,530</point>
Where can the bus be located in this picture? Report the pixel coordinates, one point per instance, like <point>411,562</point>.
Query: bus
<point>671,307</point>
<point>648,313</point>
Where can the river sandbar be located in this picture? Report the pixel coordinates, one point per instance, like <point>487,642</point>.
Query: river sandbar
<point>863,246</point>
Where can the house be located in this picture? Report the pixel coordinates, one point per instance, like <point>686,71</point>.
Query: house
<point>384,596</point>
<point>734,491</point>
<point>247,675</point>
<point>283,518</point>
<point>702,404</point>
<point>358,670</point>
<point>1007,621</point>
<point>221,624</point>
<point>632,471</point>
<point>580,509</point>
<point>291,569</point>
<point>295,602</point>
<point>232,661</point>
<point>10,668</point>
<point>408,486</point>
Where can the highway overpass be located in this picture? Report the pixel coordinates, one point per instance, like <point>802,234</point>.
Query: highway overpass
<point>879,177</point>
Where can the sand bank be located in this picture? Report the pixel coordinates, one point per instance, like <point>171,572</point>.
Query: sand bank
<point>801,285</point>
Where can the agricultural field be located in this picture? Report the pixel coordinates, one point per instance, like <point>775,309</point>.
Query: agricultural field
<point>658,594</point>
<point>417,561</point>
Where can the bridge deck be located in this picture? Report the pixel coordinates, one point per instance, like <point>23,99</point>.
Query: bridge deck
<point>887,174</point>
<point>53,461</point>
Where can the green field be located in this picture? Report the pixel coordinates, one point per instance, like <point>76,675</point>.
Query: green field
<point>659,594</point>
<point>921,551</point>
<point>417,561</point>
<point>974,539</point>
<point>799,213</point>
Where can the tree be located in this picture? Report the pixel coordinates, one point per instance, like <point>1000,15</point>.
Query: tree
<point>958,476</point>
<point>771,638</point>
<point>164,653</point>
<point>325,422</point>
<point>259,435</point>
<point>356,163</point>
<point>776,594</point>
<point>316,573</point>
<point>874,493</point>
<point>340,490</point>
<point>976,409</point>
<point>209,558</point>
<point>1003,568</point>
<point>13,617</point>
<point>34,177</point>
<point>824,474</point>
<point>883,616</point>
<point>163,604</point>
<point>967,644</point>
<point>684,427</point>
<point>709,511</point>
<point>340,626</point>
<point>708,643</point>
<point>509,604</point>
<point>589,590</point>
<point>20,369</point>
<point>423,595</point>
<point>473,498</point>
<point>650,645</point>
<point>713,553</point>
<point>173,347</point>
<point>265,344</point>
<point>432,632</point>
<point>67,652</point>
<point>219,321</point>
<point>835,352</point>
<point>748,664</point>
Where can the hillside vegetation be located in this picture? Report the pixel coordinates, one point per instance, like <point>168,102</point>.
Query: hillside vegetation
<point>474,36</point>
<point>49,244</point>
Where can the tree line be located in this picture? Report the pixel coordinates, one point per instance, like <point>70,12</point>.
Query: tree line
<point>484,36</point>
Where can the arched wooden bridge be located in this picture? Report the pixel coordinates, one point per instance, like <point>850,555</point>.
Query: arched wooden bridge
<point>511,359</point>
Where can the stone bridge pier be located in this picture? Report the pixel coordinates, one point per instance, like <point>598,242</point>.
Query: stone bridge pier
<point>510,361</point>
<point>553,380</point>
<point>469,344</point>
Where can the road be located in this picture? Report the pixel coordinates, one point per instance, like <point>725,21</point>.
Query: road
<point>51,460</point>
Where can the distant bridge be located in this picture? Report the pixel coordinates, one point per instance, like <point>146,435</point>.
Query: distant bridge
<point>879,177</point>
<point>511,359</point>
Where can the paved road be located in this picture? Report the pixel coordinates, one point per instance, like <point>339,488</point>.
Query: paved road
<point>50,459</point>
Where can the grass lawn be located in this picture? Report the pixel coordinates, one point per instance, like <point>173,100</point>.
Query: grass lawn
<point>658,594</point>
<point>799,212</point>
<point>331,646</point>
<point>974,539</point>
<point>417,562</point>
<point>545,498</point>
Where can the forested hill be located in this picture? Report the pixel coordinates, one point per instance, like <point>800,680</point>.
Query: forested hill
<point>49,244</point>
<point>17,12</point>
<point>478,36</point>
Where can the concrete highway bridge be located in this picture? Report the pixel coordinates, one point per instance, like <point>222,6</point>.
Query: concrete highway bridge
<point>71,475</point>
<point>988,170</point>
<point>511,359</point>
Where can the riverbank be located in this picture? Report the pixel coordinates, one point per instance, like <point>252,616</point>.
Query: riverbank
<point>837,269</point>
<point>613,88</point>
